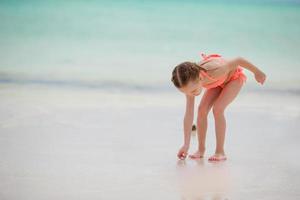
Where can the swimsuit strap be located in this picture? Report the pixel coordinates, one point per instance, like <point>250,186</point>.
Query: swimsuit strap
<point>205,74</point>
<point>205,57</point>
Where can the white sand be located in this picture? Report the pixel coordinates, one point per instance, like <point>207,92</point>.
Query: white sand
<point>62,143</point>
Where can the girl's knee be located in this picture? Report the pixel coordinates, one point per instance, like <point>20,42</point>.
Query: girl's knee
<point>218,109</point>
<point>202,112</point>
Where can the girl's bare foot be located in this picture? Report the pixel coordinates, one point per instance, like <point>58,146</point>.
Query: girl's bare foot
<point>217,157</point>
<point>197,154</point>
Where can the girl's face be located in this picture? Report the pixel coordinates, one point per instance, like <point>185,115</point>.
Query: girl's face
<point>193,88</point>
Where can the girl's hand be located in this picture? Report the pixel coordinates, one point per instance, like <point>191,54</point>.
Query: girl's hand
<point>183,151</point>
<point>260,77</point>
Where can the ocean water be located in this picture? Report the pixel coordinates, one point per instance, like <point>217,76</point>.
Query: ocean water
<point>136,44</point>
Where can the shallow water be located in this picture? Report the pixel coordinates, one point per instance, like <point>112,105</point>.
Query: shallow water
<point>138,43</point>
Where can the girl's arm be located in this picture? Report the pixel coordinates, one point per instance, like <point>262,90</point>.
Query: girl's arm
<point>188,119</point>
<point>232,64</point>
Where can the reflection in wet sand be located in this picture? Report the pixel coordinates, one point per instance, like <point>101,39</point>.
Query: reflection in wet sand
<point>199,179</point>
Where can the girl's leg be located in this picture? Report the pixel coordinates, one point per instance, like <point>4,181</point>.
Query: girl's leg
<point>205,105</point>
<point>227,95</point>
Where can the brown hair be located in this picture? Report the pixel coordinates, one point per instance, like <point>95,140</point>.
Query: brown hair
<point>185,72</point>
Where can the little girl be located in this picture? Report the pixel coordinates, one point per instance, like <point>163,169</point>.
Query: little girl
<point>223,79</point>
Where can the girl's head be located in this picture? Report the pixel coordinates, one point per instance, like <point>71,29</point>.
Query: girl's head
<point>185,77</point>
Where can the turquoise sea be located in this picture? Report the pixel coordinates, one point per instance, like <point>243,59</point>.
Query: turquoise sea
<point>136,44</point>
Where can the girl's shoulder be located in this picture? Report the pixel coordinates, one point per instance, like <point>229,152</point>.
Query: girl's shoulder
<point>215,67</point>
<point>212,64</point>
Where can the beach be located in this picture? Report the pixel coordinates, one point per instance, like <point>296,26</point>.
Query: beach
<point>70,143</point>
<point>88,110</point>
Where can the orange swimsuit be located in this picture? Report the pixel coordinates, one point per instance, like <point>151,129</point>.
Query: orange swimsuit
<point>238,74</point>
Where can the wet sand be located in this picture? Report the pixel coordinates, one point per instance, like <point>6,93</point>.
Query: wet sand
<point>66,143</point>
